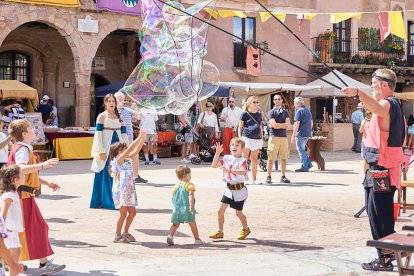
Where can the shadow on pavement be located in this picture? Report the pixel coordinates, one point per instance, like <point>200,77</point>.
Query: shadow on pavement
<point>155,185</point>
<point>56,197</point>
<point>214,246</point>
<point>300,184</point>
<point>36,272</point>
<point>154,211</point>
<point>59,220</point>
<point>160,233</point>
<point>73,244</point>
<point>338,172</point>
<point>272,243</point>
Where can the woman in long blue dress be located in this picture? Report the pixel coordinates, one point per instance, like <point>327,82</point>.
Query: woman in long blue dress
<point>110,128</point>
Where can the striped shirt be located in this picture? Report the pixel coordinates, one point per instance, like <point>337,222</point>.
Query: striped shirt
<point>128,114</point>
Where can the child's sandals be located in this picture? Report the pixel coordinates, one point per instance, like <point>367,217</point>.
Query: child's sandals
<point>120,239</point>
<point>129,237</point>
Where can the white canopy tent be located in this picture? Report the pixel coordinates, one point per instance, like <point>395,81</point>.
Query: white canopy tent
<point>331,91</point>
<point>263,91</point>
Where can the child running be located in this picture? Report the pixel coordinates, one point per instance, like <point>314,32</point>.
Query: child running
<point>234,175</point>
<point>35,238</point>
<point>123,189</point>
<point>183,204</point>
<point>11,212</point>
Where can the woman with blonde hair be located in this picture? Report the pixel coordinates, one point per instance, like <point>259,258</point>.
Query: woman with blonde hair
<point>251,131</point>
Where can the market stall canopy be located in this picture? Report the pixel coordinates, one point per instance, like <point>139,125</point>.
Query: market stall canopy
<point>255,88</point>
<point>407,96</point>
<point>330,91</point>
<point>11,89</point>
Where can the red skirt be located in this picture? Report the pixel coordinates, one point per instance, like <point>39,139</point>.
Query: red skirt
<point>35,239</point>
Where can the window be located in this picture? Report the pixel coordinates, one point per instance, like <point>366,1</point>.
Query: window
<point>246,29</point>
<point>15,66</point>
<point>343,39</point>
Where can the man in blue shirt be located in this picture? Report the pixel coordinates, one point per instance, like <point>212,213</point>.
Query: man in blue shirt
<point>356,118</point>
<point>302,130</point>
<point>278,142</point>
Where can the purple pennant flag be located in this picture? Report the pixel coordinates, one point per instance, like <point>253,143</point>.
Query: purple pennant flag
<point>132,7</point>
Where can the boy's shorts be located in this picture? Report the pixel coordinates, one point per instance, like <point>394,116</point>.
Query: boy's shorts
<point>237,205</point>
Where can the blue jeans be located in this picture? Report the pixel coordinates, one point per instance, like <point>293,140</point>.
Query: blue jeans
<point>301,148</point>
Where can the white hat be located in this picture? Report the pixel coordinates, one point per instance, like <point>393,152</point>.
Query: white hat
<point>46,97</point>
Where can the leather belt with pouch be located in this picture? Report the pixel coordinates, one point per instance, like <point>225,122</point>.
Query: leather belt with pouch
<point>28,189</point>
<point>237,186</point>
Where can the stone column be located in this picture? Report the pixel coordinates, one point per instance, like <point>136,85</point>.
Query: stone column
<point>49,78</point>
<point>83,103</point>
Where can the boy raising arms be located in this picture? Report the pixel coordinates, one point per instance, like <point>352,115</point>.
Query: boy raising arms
<point>234,174</point>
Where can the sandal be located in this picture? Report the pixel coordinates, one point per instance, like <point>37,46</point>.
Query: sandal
<point>120,239</point>
<point>129,237</point>
<point>378,265</point>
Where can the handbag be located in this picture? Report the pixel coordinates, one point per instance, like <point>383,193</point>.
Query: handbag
<point>380,181</point>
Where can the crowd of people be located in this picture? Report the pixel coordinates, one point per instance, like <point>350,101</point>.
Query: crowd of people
<point>24,232</point>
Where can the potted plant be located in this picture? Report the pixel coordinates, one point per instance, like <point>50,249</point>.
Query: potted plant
<point>358,59</point>
<point>326,43</point>
<point>372,59</point>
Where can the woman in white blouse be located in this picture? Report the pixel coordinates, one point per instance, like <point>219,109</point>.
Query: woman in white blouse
<point>207,121</point>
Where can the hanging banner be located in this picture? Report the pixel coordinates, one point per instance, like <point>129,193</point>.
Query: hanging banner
<point>131,7</point>
<point>384,26</point>
<point>56,3</point>
<point>339,17</point>
<point>253,61</point>
<point>264,16</point>
<point>397,26</point>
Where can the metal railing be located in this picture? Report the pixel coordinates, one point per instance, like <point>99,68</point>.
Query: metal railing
<point>360,51</point>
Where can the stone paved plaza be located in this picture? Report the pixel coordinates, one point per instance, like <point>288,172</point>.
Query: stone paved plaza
<point>303,228</point>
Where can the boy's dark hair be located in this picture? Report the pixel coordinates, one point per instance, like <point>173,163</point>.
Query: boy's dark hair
<point>182,170</point>
<point>17,127</point>
<point>8,173</point>
<point>116,148</point>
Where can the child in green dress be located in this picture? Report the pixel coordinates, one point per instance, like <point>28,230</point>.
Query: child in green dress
<point>183,204</point>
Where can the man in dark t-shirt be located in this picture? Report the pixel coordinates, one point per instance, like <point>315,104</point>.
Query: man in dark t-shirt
<point>46,110</point>
<point>278,142</point>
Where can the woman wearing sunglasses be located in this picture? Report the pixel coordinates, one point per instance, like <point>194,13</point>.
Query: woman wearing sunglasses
<point>251,131</point>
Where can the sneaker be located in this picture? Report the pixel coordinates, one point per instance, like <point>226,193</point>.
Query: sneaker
<point>120,239</point>
<point>198,242</point>
<point>129,237</point>
<point>156,162</point>
<point>283,179</point>
<point>256,182</point>
<point>139,179</point>
<point>50,268</point>
<point>301,170</point>
<point>244,233</point>
<point>185,161</point>
<point>217,235</point>
<point>268,180</point>
<point>378,265</point>
<point>146,163</point>
<point>191,156</point>
<point>170,240</point>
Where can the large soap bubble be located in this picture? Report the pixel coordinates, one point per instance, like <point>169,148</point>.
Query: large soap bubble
<point>172,73</point>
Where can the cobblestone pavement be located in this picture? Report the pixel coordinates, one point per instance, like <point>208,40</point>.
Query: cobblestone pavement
<point>302,228</point>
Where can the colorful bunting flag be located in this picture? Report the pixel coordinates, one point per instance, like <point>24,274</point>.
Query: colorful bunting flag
<point>214,14</point>
<point>264,16</point>
<point>339,17</point>
<point>132,7</point>
<point>228,13</point>
<point>384,26</point>
<point>392,22</point>
<point>56,3</point>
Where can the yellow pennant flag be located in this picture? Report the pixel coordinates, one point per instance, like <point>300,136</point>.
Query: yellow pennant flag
<point>339,17</point>
<point>264,16</point>
<point>213,14</point>
<point>57,3</point>
<point>228,13</point>
<point>310,16</point>
<point>396,23</point>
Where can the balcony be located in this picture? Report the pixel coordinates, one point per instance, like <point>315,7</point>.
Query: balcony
<point>362,55</point>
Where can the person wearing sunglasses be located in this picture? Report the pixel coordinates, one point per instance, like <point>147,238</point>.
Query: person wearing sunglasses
<point>230,117</point>
<point>383,152</point>
<point>278,142</point>
<point>302,130</point>
<point>251,131</point>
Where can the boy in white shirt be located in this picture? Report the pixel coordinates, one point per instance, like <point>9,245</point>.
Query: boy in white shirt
<point>234,174</point>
